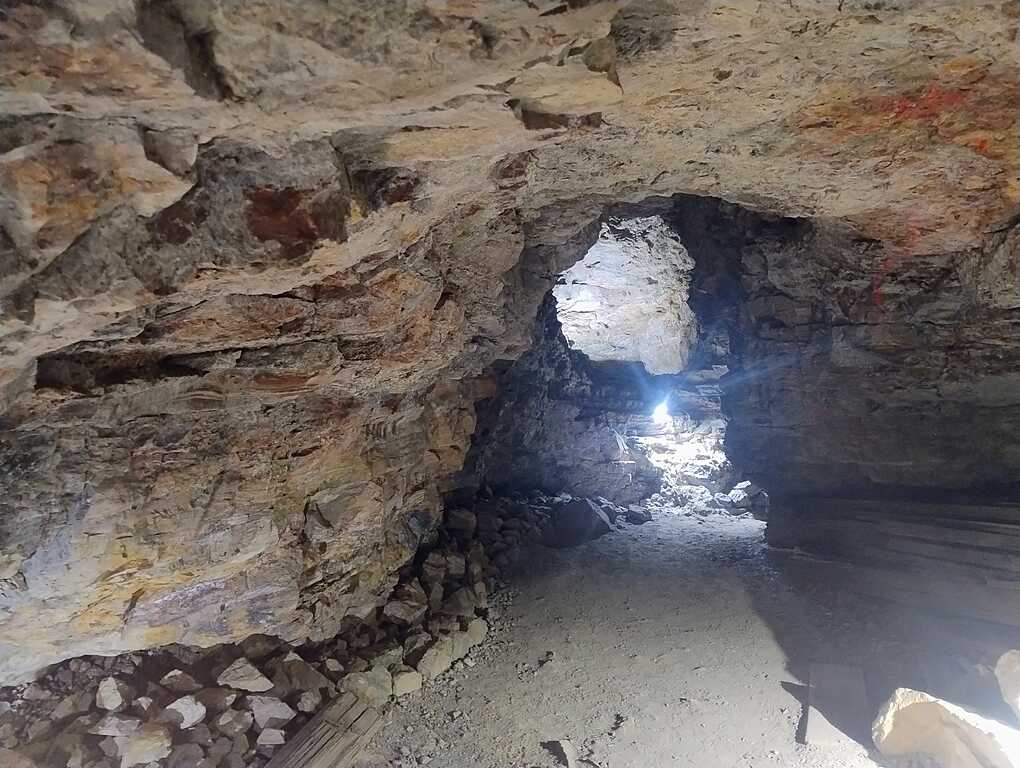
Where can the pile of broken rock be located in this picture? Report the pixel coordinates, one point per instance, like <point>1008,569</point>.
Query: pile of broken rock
<point>233,706</point>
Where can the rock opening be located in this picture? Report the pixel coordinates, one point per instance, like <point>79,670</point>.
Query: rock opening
<point>368,369</point>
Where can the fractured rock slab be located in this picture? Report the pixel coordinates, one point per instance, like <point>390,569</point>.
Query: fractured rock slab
<point>269,711</point>
<point>913,722</point>
<point>243,674</point>
<point>147,744</point>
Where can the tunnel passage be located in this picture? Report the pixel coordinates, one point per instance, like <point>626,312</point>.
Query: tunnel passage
<point>855,387</point>
<point>619,396</point>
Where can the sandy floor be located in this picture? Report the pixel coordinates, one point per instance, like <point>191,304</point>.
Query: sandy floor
<point>654,646</point>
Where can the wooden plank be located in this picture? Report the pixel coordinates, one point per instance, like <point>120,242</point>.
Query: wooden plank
<point>333,738</point>
<point>837,706</point>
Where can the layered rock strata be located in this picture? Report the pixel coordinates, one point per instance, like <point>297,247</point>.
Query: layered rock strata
<point>255,256</point>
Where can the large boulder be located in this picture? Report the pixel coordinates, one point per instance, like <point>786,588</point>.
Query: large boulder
<point>916,723</point>
<point>575,522</point>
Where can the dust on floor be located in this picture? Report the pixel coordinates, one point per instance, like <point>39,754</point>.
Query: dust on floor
<point>665,644</point>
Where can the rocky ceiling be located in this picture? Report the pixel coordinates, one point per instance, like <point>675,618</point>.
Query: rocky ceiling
<point>627,298</point>
<point>255,256</point>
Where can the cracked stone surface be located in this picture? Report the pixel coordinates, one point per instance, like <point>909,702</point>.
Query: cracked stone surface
<point>627,298</point>
<point>256,258</point>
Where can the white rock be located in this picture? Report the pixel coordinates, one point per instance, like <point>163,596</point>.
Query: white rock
<point>186,711</point>
<point>115,725</point>
<point>110,694</point>
<point>269,711</point>
<point>147,744</point>
<point>309,701</point>
<point>1007,672</point>
<point>271,737</point>
<point>334,665</point>
<point>242,674</point>
<point>913,722</point>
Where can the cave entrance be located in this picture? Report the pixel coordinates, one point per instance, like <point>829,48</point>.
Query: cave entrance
<point>620,396</point>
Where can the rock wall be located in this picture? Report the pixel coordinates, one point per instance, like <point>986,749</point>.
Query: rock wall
<point>256,254</point>
<point>561,423</point>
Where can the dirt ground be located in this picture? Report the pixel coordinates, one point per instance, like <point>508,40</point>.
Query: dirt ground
<point>682,642</point>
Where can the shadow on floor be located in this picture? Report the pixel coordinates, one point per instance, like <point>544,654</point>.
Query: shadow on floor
<point>817,616</point>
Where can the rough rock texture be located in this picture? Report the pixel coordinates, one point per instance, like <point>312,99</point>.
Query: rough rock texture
<point>1007,672</point>
<point>916,723</point>
<point>255,254</point>
<point>626,300</point>
<point>560,423</point>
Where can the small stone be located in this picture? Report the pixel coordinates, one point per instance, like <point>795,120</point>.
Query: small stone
<point>220,748</point>
<point>184,712</point>
<point>461,644</point>
<point>269,740</point>
<point>309,701</point>
<point>415,647</point>
<point>179,681</point>
<point>477,629</point>
<point>115,725</point>
<point>143,705</point>
<point>241,745</point>
<point>216,699</point>
<point>375,685</point>
<point>334,666</point>
<point>437,659</point>
<point>462,521</point>
<point>404,612</point>
<point>112,695</point>
<point>38,728</point>
<point>294,674</point>
<point>1007,672</point>
<point>460,603</point>
<point>69,706</point>
<point>185,756</point>
<point>455,566</point>
<point>359,665</point>
<point>406,681</point>
<point>200,734</point>
<point>36,692</point>
<point>269,711</point>
<point>241,674</point>
<point>576,522</point>
<point>150,742</point>
<point>233,722</point>
<point>260,646</point>
<point>433,570</point>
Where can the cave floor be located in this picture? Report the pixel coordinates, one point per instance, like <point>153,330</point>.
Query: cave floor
<point>675,643</point>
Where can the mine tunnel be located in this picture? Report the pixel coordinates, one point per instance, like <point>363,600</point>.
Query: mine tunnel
<point>596,384</point>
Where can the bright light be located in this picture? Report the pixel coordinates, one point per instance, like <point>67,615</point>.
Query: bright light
<point>661,413</point>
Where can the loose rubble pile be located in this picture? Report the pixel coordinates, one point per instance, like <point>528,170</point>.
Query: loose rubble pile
<point>233,706</point>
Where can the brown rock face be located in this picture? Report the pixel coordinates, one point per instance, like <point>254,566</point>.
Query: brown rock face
<point>254,255</point>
